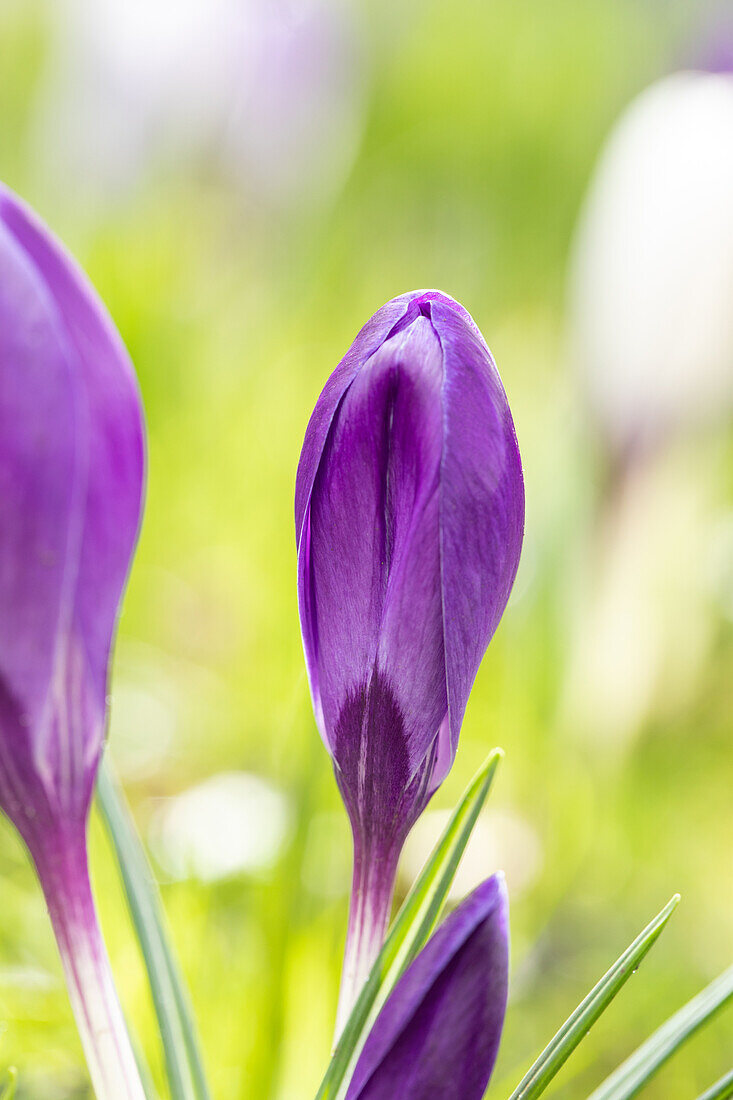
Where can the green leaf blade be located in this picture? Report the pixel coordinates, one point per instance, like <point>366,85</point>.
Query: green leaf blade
<point>634,1073</point>
<point>178,1031</point>
<point>409,932</point>
<point>10,1085</point>
<point>721,1090</point>
<point>579,1023</point>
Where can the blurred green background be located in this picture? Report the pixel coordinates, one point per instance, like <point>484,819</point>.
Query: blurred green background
<point>245,185</point>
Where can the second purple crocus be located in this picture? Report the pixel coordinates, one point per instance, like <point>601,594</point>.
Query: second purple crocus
<point>71,486</point>
<point>409,512</point>
<point>438,1034</point>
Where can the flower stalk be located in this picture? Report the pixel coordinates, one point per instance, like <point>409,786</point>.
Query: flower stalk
<point>64,874</point>
<point>372,890</point>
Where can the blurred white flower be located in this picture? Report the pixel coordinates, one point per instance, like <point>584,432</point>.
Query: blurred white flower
<point>131,80</point>
<point>297,116</point>
<point>651,314</point>
<point>233,823</point>
<point>501,840</point>
<point>651,327</point>
<point>273,88</point>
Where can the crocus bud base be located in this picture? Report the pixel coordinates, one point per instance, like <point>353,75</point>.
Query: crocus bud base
<point>372,890</point>
<point>63,871</point>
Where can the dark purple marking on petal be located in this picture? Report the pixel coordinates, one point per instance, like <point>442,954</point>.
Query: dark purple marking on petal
<point>373,769</point>
<point>383,799</point>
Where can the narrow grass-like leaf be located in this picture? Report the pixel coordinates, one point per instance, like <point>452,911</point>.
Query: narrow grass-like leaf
<point>577,1026</point>
<point>721,1090</point>
<point>409,932</point>
<point>175,1018</point>
<point>634,1073</point>
<point>9,1087</point>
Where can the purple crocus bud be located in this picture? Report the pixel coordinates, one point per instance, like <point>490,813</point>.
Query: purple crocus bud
<point>409,512</point>
<point>71,480</point>
<point>438,1034</point>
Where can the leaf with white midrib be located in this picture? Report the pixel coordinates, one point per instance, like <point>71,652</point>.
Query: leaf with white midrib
<point>721,1090</point>
<point>175,1018</point>
<point>577,1026</point>
<point>634,1073</point>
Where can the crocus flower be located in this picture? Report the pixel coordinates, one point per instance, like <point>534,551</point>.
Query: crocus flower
<point>652,266</point>
<point>651,329</point>
<point>71,477</point>
<point>409,512</point>
<point>272,91</point>
<point>438,1034</point>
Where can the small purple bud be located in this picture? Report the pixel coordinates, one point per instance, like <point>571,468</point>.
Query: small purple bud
<point>438,1034</point>
<point>409,512</point>
<point>71,483</point>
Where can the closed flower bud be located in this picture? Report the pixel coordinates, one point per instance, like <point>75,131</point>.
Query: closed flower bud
<point>438,1034</point>
<point>71,478</point>
<point>409,519</point>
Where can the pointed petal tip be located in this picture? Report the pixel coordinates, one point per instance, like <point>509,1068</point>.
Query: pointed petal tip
<point>492,895</point>
<point>439,1031</point>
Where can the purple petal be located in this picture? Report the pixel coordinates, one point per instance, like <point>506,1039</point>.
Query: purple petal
<point>38,478</point>
<point>375,561</point>
<point>482,504</point>
<point>409,513</point>
<point>71,476</point>
<point>370,337</point>
<point>438,1034</point>
<point>366,343</point>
